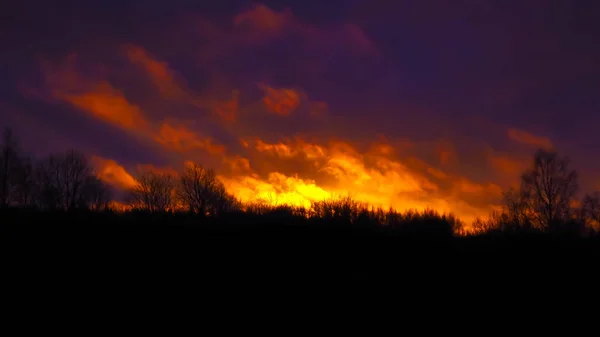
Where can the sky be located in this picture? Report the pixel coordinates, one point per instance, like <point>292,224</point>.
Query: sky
<point>405,104</point>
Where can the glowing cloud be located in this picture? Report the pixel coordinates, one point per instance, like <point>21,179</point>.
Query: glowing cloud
<point>527,138</point>
<point>112,173</point>
<point>180,123</point>
<point>374,177</point>
<point>98,98</point>
<point>182,139</point>
<point>107,104</point>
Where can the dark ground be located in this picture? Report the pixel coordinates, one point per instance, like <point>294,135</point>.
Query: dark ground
<point>122,268</point>
<point>109,249</point>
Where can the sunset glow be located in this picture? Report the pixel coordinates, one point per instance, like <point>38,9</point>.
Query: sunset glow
<point>290,108</point>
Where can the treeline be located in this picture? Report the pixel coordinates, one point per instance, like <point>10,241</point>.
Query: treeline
<point>63,184</point>
<point>64,181</point>
<point>545,201</point>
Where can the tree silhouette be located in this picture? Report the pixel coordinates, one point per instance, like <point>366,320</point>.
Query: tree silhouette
<point>24,183</point>
<point>545,197</point>
<point>518,212</point>
<point>9,163</point>
<point>590,210</point>
<point>153,192</point>
<point>202,192</point>
<point>98,194</point>
<point>66,181</point>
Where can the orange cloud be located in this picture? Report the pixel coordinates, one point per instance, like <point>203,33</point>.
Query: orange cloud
<point>237,164</point>
<point>101,100</point>
<point>466,186</point>
<point>112,173</point>
<point>108,104</point>
<point>281,101</point>
<point>375,177</point>
<point>158,71</point>
<point>293,171</point>
<point>527,138</point>
<point>95,97</point>
<point>291,149</point>
<point>182,139</point>
<point>277,188</point>
<point>507,164</point>
<point>157,169</point>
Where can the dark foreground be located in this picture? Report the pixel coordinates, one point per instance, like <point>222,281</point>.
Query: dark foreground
<point>114,252</point>
<point>81,269</point>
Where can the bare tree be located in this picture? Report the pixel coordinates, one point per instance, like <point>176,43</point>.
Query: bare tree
<point>97,194</point>
<point>202,192</point>
<point>153,192</point>
<point>24,183</point>
<point>590,210</point>
<point>547,190</point>
<point>517,213</point>
<point>9,162</point>
<point>65,181</point>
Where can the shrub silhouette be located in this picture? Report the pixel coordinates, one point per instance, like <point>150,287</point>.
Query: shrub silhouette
<point>195,197</point>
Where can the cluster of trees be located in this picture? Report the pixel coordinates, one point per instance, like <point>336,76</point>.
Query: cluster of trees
<point>546,201</point>
<point>67,181</point>
<point>196,190</point>
<point>63,181</point>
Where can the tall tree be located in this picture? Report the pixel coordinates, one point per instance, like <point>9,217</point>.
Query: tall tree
<point>153,191</point>
<point>97,194</point>
<point>547,191</point>
<point>518,213</point>
<point>24,183</point>
<point>65,181</point>
<point>202,192</point>
<point>9,162</point>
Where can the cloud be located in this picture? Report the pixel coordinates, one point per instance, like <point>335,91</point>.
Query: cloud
<point>182,139</point>
<point>529,139</point>
<point>98,98</point>
<point>376,176</point>
<point>159,72</point>
<point>260,24</point>
<point>112,173</point>
<point>508,164</point>
<point>108,104</point>
<point>263,18</point>
<point>295,170</point>
<point>276,188</point>
<point>200,102</point>
<point>227,110</point>
<point>280,101</point>
<point>174,88</point>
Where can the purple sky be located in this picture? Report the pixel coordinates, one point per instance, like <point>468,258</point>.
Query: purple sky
<point>463,91</point>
